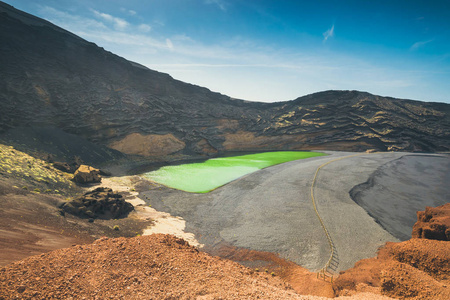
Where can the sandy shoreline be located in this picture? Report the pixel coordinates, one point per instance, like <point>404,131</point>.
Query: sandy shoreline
<point>162,222</point>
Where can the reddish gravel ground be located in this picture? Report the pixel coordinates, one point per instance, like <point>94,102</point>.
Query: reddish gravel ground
<point>148,267</point>
<point>300,279</point>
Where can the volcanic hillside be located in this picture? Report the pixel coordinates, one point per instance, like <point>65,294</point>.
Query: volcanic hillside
<point>55,81</point>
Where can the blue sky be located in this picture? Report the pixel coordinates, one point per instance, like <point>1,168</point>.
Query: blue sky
<point>273,50</point>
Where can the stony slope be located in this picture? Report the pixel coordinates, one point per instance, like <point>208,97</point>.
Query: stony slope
<point>54,79</point>
<point>149,267</point>
<point>31,222</point>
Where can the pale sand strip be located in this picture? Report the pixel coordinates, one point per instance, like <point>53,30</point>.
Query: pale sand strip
<point>162,222</point>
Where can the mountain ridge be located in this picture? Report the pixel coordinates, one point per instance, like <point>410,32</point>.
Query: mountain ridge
<point>53,78</point>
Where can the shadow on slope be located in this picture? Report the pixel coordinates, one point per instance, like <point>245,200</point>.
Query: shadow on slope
<point>54,143</point>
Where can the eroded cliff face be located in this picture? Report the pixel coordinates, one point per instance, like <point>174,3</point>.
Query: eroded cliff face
<point>52,78</point>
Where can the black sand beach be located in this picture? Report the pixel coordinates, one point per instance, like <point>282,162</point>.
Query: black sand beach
<point>271,210</point>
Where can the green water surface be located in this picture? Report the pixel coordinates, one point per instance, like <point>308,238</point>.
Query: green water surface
<point>208,175</point>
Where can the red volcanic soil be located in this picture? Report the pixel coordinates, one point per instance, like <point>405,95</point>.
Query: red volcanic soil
<point>147,267</point>
<point>414,269</point>
<point>300,279</point>
<point>433,223</point>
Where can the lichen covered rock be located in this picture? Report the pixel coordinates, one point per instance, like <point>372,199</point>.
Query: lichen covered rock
<point>87,174</point>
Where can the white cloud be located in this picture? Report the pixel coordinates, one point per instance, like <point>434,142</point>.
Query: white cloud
<point>169,44</point>
<point>420,44</point>
<point>328,34</point>
<point>129,12</point>
<point>220,3</point>
<point>144,28</point>
<point>118,23</point>
<point>70,21</point>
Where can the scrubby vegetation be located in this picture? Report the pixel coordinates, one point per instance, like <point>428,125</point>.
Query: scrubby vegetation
<point>33,174</point>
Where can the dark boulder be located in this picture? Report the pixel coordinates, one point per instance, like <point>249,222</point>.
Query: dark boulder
<point>63,166</point>
<point>100,203</point>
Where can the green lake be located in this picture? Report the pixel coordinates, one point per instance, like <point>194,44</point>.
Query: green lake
<point>206,176</point>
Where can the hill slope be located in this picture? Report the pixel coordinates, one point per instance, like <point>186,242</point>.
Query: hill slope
<point>148,267</point>
<point>54,79</point>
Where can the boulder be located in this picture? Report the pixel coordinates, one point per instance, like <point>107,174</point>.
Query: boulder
<point>63,166</point>
<point>87,174</point>
<point>100,203</point>
<point>433,223</point>
<point>68,167</point>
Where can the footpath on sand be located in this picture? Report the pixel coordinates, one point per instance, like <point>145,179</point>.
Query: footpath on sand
<point>332,264</point>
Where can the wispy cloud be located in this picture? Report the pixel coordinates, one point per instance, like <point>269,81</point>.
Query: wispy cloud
<point>420,44</point>
<point>70,21</point>
<point>220,3</point>
<point>118,23</point>
<point>144,28</point>
<point>328,34</point>
<point>129,12</point>
<point>169,44</point>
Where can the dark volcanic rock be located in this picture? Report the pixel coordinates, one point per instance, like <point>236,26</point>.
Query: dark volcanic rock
<point>52,78</point>
<point>69,168</point>
<point>99,203</point>
<point>63,166</point>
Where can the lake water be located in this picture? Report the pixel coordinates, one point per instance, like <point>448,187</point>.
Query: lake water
<point>206,176</point>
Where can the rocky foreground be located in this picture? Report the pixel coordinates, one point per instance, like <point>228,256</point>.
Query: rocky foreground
<point>148,267</point>
<point>164,267</point>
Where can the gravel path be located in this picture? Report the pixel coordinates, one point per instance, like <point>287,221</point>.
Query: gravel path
<point>271,210</point>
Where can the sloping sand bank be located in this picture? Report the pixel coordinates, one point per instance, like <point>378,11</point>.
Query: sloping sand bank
<point>399,188</point>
